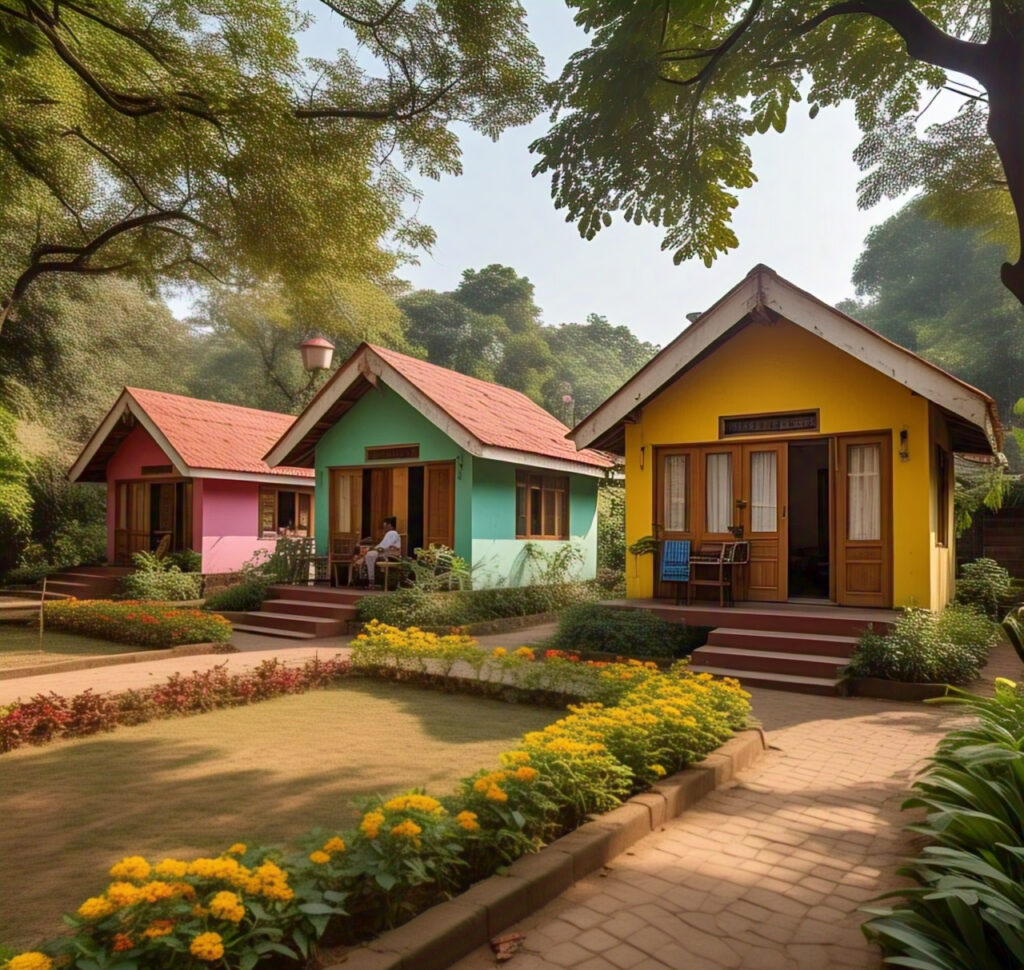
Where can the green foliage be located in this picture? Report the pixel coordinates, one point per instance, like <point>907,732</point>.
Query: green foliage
<point>416,607</point>
<point>967,910</point>
<point>984,584</point>
<point>15,498</point>
<point>611,526</point>
<point>240,598</point>
<point>590,627</point>
<point>539,564</point>
<point>159,580</point>
<point>438,568</point>
<point>927,648</point>
<point>1013,627</point>
<point>653,119</point>
<point>187,560</point>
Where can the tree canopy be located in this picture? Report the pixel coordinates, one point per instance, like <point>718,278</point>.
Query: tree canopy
<point>652,120</point>
<point>184,141</point>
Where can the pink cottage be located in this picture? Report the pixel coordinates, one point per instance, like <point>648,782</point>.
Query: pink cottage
<point>193,470</point>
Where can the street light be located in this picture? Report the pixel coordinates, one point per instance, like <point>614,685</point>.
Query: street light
<point>316,353</point>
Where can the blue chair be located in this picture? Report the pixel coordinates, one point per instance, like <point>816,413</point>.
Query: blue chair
<point>675,562</point>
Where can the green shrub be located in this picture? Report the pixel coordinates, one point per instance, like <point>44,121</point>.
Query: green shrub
<point>425,608</point>
<point>187,560</point>
<point>590,627</point>
<point>29,574</point>
<point>159,580</point>
<point>985,584</point>
<point>924,647</point>
<point>247,595</point>
<point>611,526</point>
<point>140,624</point>
<point>1013,627</point>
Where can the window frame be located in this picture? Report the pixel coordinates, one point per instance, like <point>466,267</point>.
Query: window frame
<point>534,487</point>
<point>299,493</point>
<point>942,495</point>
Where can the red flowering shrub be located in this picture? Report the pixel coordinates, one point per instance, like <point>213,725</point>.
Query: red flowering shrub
<point>141,624</point>
<point>46,717</point>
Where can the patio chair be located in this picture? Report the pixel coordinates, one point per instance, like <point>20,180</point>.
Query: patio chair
<point>399,565</point>
<point>675,563</point>
<point>723,558</point>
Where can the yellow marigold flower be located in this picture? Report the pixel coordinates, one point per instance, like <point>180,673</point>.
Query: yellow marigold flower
<point>526,773</point>
<point>200,911</point>
<point>499,652</point>
<point>418,803</point>
<point>122,893</point>
<point>495,794</point>
<point>96,907</point>
<point>207,946</point>
<point>468,821</point>
<point>171,868</point>
<point>160,927</point>
<point>153,892</point>
<point>371,823</point>
<point>334,845</point>
<point>658,770</point>
<point>33,960</point>
<point>515,757</point>
<point>407,830</point>
<point>122,941</point>
<point>131,867</point>
<point>319,857</point>
<point>237,849</point>
<point>226,905</point>
<point>184,890</point>
<point>525,653</point>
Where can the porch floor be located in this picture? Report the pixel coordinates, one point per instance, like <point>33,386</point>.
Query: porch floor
<point>746,607</point>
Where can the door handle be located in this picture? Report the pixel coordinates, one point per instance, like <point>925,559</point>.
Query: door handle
<point>783,511</point>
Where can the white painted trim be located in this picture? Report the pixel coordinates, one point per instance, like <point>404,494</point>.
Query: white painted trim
<point>263,478</point>
<point>371,365</point>
<point>764,287</point>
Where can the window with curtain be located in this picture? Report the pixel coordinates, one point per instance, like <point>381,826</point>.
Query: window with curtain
<point>764,511</point>
<point>718,491</point>
<point>864,492</point>
<point>677,489</point>
<point>343,504</point>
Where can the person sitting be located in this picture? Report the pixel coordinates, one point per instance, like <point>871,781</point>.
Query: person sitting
<point>390,547</point>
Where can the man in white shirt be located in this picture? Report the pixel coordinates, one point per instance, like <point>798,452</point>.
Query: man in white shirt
<point>390,547</point>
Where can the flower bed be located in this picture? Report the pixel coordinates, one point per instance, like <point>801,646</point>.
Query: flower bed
<point>130,621</point>
<point>967,910</point>
<point>47,717</point>
<point>411,851</point>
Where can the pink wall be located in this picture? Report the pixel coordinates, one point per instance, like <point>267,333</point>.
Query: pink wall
<point>230,515</point>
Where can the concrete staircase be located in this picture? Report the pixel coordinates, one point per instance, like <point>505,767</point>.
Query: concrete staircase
<point>86,582</point>
<point>783,646</point>
<point>303,612</point>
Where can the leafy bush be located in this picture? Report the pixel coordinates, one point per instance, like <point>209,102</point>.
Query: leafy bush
<point>626,633</point>
<point>611,526</point>
<point>967,910</point>
<point>439,568</point>
<point>141,624</point>
<point>985,584</point>
<point>242,597</point>
<point>424,608</point>
<point>1013,627</point>
<point>160,580</point>
<point>924,647</point>
<point>258,574</point>
<point>28,574</point>
<point>187,560</point>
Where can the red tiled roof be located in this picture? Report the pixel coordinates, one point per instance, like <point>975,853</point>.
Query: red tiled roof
<point>494,415</point>
<point>215,436</point>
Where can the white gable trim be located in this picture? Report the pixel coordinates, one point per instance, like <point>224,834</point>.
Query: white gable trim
<point>262,478</point>
<point>372,366</point>
<point>126,403</point>
<point>763,288</point>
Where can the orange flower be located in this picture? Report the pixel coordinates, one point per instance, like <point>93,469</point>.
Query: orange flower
<point>122,942</point>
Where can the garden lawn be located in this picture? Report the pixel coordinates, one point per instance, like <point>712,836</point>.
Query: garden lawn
<point>265,773</point>
<point>19,646</point>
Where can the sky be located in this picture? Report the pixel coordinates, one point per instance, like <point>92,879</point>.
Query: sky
<point>801,218</point>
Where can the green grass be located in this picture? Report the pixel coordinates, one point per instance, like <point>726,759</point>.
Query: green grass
<point>20,646</point>
<point>265,773</point>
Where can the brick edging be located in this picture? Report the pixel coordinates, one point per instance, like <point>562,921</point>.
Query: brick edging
<point>110,660</point>
<point>447,932</point>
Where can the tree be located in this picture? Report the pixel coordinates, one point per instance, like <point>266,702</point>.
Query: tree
<point>957,320</point>
<point>178,141</point>
<point>15,499</point>
<point>500,290</point>
<point>652,119</point>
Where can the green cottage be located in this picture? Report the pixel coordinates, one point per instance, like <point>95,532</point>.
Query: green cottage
<point>457,461</point>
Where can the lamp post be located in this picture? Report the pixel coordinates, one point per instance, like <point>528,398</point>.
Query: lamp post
<point>316,358</point>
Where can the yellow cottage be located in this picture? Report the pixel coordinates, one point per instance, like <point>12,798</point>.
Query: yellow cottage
<point>826,447</point>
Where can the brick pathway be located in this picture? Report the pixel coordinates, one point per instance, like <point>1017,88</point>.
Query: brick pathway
<point>765,875</point>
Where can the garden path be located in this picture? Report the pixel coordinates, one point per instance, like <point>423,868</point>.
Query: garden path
<point>767,874</point>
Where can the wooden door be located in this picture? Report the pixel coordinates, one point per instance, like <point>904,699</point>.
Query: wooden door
<point>677,508</point>
<point>381,499</point>
<point>400,498</point>
<point>863,528</point>
<point>345,511</point>
<point>439,516</point>
<point>138,539</point>
<point>762,512</point>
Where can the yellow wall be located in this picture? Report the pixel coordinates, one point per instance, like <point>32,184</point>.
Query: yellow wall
<point>781,367</point>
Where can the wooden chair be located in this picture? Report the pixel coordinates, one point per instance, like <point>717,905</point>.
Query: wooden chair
<point>675,563</point>
<point>343,555</point>
<point>720,560</point>
<point>398,566</point>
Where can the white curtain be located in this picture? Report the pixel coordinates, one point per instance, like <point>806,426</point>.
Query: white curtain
<point>343,504</point>
<point>864,492</point>
<point>719,492</point>
<point>763,491</point>
<point>677,473</point>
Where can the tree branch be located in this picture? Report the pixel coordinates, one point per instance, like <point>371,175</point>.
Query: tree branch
<point>404,111</point>
<point>715,54</point>
<point>353,19</point>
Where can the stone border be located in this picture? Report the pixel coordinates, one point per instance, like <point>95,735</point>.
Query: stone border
<point>447,932</point>
<point>892,690</point>
<point>111,660</point>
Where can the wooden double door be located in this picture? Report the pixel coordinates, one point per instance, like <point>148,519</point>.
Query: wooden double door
<point>815,512</point>
<point>145,512</point>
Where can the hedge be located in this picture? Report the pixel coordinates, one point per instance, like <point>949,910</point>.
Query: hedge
<point>140,624</point>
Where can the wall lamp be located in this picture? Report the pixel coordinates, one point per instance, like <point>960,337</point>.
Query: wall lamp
<point>643,448</point>
<point>904,445</point>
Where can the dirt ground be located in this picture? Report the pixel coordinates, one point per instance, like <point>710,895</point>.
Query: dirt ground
<point>261,774</point>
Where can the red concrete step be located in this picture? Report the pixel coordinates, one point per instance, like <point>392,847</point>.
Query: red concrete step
<point>839,623</point>
<point>792,682</point>
<point>97,570</point>
<point>318,594</point>
<point>273,632</point>
<point>767,661</point>
<point>298,607</point>
<point>313,625</point>
<point>82,590</point>
<point>821,644</point>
